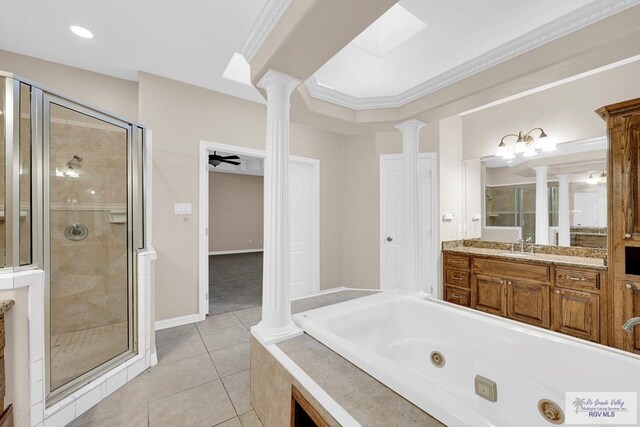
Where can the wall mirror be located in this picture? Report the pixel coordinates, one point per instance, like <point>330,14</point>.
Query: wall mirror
<point>575,200</point>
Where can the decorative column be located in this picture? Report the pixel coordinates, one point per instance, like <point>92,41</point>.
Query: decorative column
<point>276,321</point>
<point>542,205</point>
<point>564,213</point>
<point>410,275</point>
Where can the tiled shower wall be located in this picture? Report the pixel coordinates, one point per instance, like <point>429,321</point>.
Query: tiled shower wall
<point>88,277</point>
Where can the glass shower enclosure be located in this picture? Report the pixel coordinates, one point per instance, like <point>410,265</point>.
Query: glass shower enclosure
<point>71,204</point>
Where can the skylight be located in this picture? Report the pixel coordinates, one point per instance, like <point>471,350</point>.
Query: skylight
<point>392,29</point>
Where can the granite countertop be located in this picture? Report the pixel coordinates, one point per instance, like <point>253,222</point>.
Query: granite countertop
<point>5,305</point>
<point>563,260</point>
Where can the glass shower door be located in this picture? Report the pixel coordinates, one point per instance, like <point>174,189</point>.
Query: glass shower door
<point>88,247</point>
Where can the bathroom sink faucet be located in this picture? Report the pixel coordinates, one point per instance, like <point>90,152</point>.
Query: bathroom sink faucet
<point>521,242</point>
<point>629,324</point>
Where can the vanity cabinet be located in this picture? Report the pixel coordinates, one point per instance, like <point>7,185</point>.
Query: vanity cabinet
<point>519,291</point>
<point>569,300</point>
<point>623,219</point>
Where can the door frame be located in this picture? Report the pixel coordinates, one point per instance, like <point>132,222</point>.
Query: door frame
<point>43,224</point>
<point>434,217</point>
<point>208,147</point>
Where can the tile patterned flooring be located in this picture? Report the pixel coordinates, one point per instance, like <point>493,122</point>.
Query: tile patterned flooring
<point>74,353</point>
<point>202,379</point>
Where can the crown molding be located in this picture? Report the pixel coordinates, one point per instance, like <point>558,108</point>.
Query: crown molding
<point>266,21</point>
<point>560,27</point>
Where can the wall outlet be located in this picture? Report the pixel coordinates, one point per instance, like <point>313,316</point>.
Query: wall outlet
<point>182,208</point>
<point>448,217</point>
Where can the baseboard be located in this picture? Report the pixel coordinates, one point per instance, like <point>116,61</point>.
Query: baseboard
<point>154,359</point>
<point>178,321</point>
<point>322,292</point>
<point>239,251</point>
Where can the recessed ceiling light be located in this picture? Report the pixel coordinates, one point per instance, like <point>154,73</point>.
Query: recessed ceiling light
<point>81,32</point>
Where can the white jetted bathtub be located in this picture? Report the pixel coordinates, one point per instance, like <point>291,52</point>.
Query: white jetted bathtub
<point>391,336</point>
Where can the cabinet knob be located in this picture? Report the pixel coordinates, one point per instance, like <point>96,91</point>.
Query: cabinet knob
<point>627,236</point>
<point>557,291</point>
<point>630,286</point>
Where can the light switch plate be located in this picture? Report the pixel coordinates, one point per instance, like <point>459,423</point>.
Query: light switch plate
<point>486,388</point>
<point>182,208</point>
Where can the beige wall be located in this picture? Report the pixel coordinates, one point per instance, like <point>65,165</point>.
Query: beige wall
<point>361,242</point>
<point>565,112</point>
<point>108,93</point>
<point>181,115</point>
<point>235,211</point>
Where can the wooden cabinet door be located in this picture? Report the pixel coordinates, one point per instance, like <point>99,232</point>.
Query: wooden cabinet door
<point>6,420</point>
<point>629,179</point>
<point>630,308</point>
<point>528,302</point>
<point>577,313</point>
<point>489,294</point>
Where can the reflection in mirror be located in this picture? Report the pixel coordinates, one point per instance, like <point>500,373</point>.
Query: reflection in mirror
<point>575,198</point>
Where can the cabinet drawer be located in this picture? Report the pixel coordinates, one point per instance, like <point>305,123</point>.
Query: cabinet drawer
<point>577,278</point>
<point>456,278</point>
<point>457,261</point>
<point>456,296</point>
<point>515,270</point>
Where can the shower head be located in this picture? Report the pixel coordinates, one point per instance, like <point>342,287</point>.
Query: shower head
<point>75,162</point>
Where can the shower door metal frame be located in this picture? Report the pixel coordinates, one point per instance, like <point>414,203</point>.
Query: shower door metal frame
<point>48,98</point>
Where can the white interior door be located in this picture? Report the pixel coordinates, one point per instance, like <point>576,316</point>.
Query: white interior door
<point>391,223</point>
<point>302,211</point>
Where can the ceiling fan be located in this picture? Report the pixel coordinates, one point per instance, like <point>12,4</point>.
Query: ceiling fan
<point>215,159</point>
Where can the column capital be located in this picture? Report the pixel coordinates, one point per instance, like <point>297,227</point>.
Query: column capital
<point>410,125</point>
<point>563,175</point>
<point>282,80</point>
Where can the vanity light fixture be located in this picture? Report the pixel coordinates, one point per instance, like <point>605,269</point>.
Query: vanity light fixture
<point>525,144</point>
<point>81,32</point>
<point>603,177</point>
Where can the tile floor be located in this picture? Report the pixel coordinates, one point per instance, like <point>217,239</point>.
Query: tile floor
<point>74,353</point>
<point>202,379</point>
